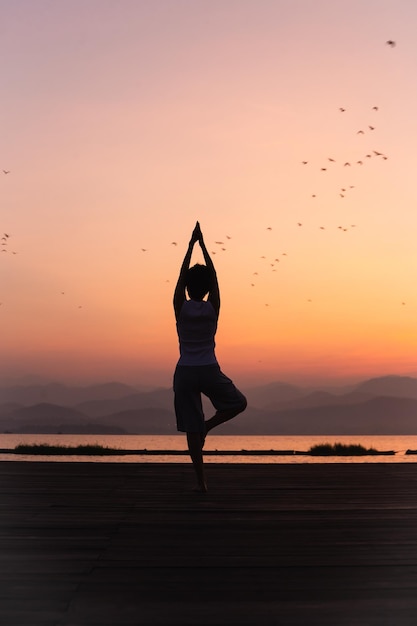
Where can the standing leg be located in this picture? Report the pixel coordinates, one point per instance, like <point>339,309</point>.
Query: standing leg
<point>196,453</point>
<point>190,416</point>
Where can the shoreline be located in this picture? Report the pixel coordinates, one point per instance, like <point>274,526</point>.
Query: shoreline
<point>170,452</point>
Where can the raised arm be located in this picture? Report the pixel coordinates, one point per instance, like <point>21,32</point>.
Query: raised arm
<point>214,293</point>
<point>179,293</point>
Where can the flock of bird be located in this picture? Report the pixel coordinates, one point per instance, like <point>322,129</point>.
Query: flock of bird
<point>331,162</point>
<point>220,245</point>
<point>342,192</point>
<point>5,243</point>
<point>272,263</point>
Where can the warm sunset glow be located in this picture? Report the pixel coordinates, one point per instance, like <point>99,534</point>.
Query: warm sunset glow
<point>123,123</point>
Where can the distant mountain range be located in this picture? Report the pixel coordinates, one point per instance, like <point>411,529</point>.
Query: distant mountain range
<point>384,405</point>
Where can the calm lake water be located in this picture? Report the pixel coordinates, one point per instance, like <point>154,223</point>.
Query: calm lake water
<point>215,442</point>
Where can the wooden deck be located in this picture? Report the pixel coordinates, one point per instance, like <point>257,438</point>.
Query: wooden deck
<point>121,543</point>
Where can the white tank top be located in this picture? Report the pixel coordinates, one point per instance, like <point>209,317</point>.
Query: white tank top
<point>196,327</point>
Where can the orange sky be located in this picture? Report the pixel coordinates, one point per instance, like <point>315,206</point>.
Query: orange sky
<point>123,123</point>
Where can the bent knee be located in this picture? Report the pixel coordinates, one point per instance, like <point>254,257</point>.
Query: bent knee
<point>242,404</point>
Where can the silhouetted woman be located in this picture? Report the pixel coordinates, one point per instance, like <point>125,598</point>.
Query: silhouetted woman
<point>197,371</point>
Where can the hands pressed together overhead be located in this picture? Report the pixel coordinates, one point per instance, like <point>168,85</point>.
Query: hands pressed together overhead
<point>197,235</point>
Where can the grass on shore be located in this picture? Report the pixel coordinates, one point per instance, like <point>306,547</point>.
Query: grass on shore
<point>43,449</point>
<point>47,449</point>
<point>340,449</point>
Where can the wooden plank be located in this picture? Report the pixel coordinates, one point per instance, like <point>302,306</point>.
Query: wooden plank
<point>114,544</point>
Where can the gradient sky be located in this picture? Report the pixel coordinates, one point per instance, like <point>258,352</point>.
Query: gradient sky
<point>125,121</point>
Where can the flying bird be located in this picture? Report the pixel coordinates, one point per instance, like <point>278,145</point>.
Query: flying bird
<point>371,127</point>
<point>6,171</point>
<point>391,43</point>
<point>342,110</point>
<point>360,132</point>
<point>346,164</point>
<point>174,243</point>
<point>304,162</point>
<point>374,108</point>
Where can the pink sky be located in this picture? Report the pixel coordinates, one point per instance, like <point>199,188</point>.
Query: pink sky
<point>124,122</point>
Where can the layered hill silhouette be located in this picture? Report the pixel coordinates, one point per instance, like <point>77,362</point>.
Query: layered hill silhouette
<point>384,405</point>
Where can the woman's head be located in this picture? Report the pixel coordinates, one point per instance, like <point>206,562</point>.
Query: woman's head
<point>198,281</point>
